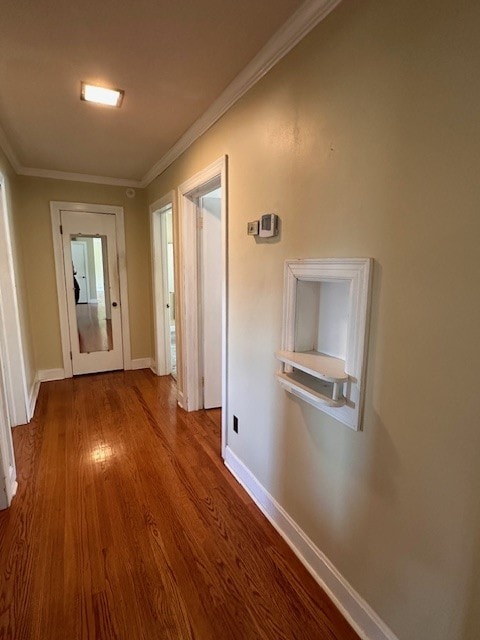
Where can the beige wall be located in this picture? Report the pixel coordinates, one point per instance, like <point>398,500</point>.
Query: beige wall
<point>34,196</point>
<point>366,141</point>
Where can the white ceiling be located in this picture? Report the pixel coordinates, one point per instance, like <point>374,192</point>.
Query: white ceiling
<point>173,59</point>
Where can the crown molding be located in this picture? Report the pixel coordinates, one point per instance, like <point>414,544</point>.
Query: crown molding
<point>307,16</point>
<point>78,177</point>
<point>59,175</point>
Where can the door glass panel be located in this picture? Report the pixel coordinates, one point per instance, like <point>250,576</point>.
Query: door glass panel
<point>92,293</point>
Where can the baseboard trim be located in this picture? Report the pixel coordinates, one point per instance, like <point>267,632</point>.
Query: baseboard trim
<point>14,488</point>
<point>47,375</point>
<point>358,613</point>
<point>141,363</point>
<point>180,399</point>
<point>11,484</point>
<point>32,399</point>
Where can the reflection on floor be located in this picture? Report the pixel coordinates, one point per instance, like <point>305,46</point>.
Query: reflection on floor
<point>94,329</point>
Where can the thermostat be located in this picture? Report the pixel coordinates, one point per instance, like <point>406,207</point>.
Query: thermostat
<point>268,225</point>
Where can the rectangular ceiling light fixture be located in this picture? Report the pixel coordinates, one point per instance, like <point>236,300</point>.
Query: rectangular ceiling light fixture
<point>101,95</point>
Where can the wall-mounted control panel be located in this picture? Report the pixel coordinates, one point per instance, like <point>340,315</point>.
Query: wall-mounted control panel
<point>266,227</point>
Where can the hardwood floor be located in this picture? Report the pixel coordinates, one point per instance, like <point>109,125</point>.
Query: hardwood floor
<point>127,525</point>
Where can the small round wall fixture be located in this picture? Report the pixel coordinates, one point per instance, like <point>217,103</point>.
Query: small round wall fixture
<point>130,193</point>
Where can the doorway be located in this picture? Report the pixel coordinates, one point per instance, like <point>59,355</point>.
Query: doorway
<point>203,300</point>
<point>209,210</point>
<point>164,285</point>
<point>169,289</point>
<point>91,285</point>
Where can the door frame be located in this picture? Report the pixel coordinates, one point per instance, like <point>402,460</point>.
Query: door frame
<point>56,208</point>
<point>11,342</point>
<point>213,176</point>
<point>8,472</point>
<point>159,274</point>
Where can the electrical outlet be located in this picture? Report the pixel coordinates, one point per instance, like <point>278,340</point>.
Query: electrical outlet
<point>235,424</point>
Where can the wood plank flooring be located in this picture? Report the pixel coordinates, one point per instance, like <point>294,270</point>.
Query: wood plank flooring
<point>127,525</point>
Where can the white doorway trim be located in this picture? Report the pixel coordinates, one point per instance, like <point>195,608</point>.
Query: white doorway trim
<point>17,394</point>
<point>159,273</point>
<point>213,176</point>
<point>8,473</point>
<point>55,211</point>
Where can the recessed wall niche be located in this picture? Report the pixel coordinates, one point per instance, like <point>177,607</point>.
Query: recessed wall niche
<point>324,339</point>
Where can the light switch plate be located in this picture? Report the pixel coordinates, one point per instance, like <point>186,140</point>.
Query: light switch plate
<point>252,228</point>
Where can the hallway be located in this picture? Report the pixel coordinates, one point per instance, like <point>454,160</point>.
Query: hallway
<point>127,525</point>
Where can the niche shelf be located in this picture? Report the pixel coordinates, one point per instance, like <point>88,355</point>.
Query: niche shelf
<point>325,321</point>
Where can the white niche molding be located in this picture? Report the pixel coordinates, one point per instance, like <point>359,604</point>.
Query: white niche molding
<point>325,329</point>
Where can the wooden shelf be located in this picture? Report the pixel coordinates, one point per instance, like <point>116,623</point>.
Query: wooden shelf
<point>315,364</point>
<point>312,391</point>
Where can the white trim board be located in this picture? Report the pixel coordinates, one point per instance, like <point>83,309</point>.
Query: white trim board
<point>55,212</point>
<point>352,606</point>
<point>48,375</point>
<point>142,363</point>
<point>33,398</point>
<point>78,177</point>
<point>307,16</point>
<point>181,400</point>
<point>13,488</point>
<point>11,484</point>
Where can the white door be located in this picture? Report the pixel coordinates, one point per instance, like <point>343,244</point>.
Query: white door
<point>95,327</point>
<point>211,298</point>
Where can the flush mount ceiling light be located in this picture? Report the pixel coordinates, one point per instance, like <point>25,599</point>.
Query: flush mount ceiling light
<point>101,95</point>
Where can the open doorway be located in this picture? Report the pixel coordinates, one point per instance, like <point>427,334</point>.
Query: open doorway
<point>164,285</point>
<point>170,290</point>
<point>209,211</point>
<point>203,299</point>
